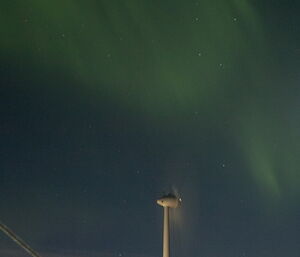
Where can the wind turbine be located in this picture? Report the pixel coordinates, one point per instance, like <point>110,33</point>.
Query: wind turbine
<point>167,202</point>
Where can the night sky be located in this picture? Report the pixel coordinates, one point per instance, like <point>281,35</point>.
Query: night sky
<point>108,104</point>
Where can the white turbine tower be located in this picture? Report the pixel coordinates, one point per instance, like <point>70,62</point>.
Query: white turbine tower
<point>167,202</point>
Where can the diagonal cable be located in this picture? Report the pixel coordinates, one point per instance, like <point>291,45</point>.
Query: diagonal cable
<point>18,240</point>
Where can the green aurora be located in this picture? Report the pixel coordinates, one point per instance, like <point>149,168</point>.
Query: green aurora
<point>214,61</point>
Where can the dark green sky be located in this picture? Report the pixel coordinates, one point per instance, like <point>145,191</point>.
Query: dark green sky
<point>105,105</point>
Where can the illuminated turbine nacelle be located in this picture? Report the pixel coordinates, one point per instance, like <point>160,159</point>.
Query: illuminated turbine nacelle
<point>169,201</point>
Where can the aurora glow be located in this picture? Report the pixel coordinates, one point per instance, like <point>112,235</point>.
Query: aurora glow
<point>105,97</point>
<point>131,48</point>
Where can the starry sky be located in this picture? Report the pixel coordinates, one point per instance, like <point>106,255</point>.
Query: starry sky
<point>108,104</point>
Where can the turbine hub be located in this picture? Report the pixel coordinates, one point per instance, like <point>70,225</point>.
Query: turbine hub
<point>170,201</point>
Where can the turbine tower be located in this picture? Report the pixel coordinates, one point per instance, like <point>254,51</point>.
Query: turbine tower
<point>167,202</point>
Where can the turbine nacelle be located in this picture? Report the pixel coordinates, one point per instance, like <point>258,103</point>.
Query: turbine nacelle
<point>170,201</point>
